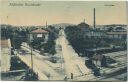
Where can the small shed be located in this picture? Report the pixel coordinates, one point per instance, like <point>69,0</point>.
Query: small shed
<point>99,60</point>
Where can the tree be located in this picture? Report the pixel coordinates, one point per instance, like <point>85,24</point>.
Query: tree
<point>110,29</point>
<point>53,33</point>
<point>103,62</point>
<point>49,47</point>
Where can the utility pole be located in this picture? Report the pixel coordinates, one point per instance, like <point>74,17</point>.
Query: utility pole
<point>31,59</point>
<point>94,18</point>
<point>30,45</point>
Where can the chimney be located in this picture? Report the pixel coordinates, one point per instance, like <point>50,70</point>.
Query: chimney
<point>84,21</point>
<point>94,18</point>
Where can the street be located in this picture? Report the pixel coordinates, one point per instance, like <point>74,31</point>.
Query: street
<point>73,63</point>
<point>39,66</point>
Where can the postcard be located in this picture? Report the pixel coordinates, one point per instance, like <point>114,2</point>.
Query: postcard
<point>63,40</point>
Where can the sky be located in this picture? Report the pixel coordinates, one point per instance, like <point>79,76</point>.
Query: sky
<point>55,12</point>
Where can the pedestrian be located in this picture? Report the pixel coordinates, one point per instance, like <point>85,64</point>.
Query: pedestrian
<point>49,76</point>
<point>71,75</point>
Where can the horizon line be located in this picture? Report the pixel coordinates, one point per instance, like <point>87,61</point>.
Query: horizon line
<point>63,23</point>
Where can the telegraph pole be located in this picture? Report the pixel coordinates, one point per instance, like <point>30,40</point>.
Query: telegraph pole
<point>30,45</point>
<point>31,59</point>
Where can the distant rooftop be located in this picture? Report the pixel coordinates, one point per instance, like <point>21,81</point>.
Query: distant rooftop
<point>98,57</point>
<point>122,33</point>
<point>39,31</point>
<point>83,24</point>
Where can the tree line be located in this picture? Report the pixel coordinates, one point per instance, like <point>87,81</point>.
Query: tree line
<point>17,35</point>
<point>78,38</point>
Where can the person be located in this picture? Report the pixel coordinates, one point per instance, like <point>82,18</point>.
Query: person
<point>49,76</point>
<point>71,75</point>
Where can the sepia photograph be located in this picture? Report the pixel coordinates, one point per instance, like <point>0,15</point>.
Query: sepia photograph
<point>63,40</point>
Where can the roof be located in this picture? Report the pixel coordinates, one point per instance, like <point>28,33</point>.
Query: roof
<point>5,43</point>
<point>39,31</point>
<point>96,49</point>
<point>83,25</point>
<point>122,33</point>
<point>98,57</point>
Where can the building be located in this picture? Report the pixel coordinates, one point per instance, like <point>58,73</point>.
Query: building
<point>85,27</point>
<point>120,29</point>
<point>95,34</point>
<point>5,55</point>
<point>91,32</point>
<point>99,60</point>
<point>117,35</point>
<point>39,34</point>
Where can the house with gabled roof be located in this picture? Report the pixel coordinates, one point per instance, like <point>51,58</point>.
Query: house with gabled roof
<point>39,34</point>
